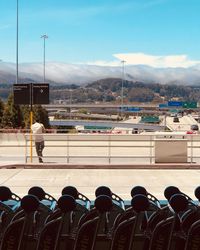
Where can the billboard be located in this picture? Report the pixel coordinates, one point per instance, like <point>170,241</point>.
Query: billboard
<point>33,93</point>
<point>40,93</point>
<point>22,93</point>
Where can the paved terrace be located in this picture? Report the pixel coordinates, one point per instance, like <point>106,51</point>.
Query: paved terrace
<point>86,180</point>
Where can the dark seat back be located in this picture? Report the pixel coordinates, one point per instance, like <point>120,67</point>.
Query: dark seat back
<point>122,235</point>
<point>162,234</point>
<point>94,233</point>
<point>193,239</point>
<point>86,235</point>
<point>57,234</point>
<point>22,231</point>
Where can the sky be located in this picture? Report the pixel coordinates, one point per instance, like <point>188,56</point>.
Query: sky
<point>158,33</point>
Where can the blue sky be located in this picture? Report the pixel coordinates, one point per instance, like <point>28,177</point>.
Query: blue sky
<point>82,31</point>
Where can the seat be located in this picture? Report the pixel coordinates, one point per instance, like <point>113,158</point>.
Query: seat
<point>94,234</point>
<point>193,239</point>
<point>154,205</point>
<point>167,234</point>
<point>126,235</point>
<point>192,215</point>
<point>9,205</point>
<point>58,234</point>
<point>117,207</point>
<point>47,205</point>
<point>20,234</point>
<point>82,206</point>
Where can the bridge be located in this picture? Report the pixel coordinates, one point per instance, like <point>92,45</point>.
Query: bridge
<point>108,124</point>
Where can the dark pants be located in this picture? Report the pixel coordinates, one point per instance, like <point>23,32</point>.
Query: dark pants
<point>39,148</point>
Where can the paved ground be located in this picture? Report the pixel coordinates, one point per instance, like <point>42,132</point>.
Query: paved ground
<point>86,180</point>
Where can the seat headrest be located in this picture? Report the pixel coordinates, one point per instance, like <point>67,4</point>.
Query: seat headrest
<point>38,192</point>
<point>30,203</point>
<point>103,190</point>
<point>140,203</point>
<point>103,203</point>
<point>70,190</point>
<point>66,203</point>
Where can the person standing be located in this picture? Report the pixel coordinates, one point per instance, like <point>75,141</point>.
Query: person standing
<point>38,130</point>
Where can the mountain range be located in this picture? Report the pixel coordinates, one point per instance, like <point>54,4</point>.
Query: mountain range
<point>80,74</point>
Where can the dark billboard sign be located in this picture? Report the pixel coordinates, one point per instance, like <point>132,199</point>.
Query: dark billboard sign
<point>22,93</point>
<point>40,93</point>
<point>33,93</point>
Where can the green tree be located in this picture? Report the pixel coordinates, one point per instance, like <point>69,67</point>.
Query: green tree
<point>40,114</point>
<point>12,115</point>
<point>26,114</point>
<point>1,112</point>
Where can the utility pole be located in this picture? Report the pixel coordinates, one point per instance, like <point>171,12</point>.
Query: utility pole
<point>44,57</point>
<point>122,87</point>
<point>17,38</point>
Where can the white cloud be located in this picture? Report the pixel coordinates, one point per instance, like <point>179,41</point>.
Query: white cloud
<point>170,61</point>
<point>104,63</point>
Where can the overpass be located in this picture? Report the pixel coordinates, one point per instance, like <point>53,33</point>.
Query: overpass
<point>139,126</point>
<point>100,105</point>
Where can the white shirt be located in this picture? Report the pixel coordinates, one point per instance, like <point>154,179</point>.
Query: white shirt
<point>37,129</point>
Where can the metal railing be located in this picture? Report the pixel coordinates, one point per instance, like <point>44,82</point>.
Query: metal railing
<point>103,148</point>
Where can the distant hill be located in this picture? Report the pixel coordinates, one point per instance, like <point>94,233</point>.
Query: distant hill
<point>110,90</point>
<point>81,74</point>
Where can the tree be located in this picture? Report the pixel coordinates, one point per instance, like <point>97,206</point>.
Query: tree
<point>1,112</point>
<point>40,114</point>
<point>12,115</point>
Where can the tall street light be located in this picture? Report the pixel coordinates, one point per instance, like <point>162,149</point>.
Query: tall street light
<point>122,89</point>
<point>70,103</point>
<point>17,34</point>
<point>44,55</point>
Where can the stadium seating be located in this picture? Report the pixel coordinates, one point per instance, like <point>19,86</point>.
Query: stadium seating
<point>73,222</point>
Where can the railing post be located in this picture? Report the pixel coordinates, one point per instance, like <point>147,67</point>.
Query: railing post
<point>67,148</point>
<point>25,149</point>
<point>109,149</point>
<point>191,156</point>
<point>151,148</point>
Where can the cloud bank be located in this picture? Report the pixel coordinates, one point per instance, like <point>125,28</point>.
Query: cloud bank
<point>176,69</point>
<point>170,61</point>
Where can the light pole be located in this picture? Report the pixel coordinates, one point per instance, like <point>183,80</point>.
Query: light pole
<point>17,34</point>
<point>44,57</point>
<point>122,89</point>
<point>70,103</point>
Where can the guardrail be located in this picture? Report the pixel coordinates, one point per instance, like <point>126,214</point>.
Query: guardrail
<point>104,148</point>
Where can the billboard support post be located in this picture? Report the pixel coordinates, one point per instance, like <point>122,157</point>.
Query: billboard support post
<point>30,94</point>
<point>31,123</point>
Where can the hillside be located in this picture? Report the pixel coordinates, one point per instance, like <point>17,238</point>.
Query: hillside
<point>109,90</point>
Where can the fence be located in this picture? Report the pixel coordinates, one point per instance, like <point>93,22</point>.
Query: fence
<point>103,149</point>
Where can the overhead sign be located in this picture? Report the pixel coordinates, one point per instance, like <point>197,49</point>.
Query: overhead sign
<point>40,93</point>
<point>33,93</point>
<point>130,109</point>
<point>22,93</point>
<point>189,105</point>
<point>175,104</point>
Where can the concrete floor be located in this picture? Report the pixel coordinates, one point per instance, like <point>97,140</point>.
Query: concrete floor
<point>87,180</point>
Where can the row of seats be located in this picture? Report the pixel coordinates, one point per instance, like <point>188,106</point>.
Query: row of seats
<point>40,222</point>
